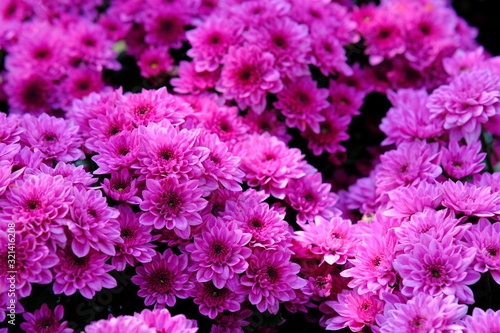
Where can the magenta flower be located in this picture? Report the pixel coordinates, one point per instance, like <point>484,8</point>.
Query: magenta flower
<point>470,199</point>
<point>213,301</point>
<point>192,82</point>
<point>301,102</point>
<point>136,245</point>
<point>172,205</point>
<point>410,164</point>
<point>163,279</point>
<point>56,138</point>
<point>155,61</point>
<point>461,161</point>
<point>120,324</point>
<point>437,268</point>
<point>372,269</point>
<point>354,310</point>
<point>87,274</point>
<point>162,321</point>
<point>248,73</point>
<point>218,253</point>
<point>167,152</point>
<point>45,321</point>
<point>328,53</point>
<point>423,313</point>
<point>10,130</point>
<point>332,131</point>
<point>33,263</point>
<point>310,197</point>
<point>122,187</point>
<point>485,238</point>
<point>269,163</point>
<point>117,153</point>
<point>270,279</point>
<point>331,240</point>
<point>466,103</point>
<point>406,201</point>
<point>482,321</point>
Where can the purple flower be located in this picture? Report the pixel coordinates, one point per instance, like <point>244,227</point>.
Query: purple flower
<point>470,199</point>
<point>332,131</point>
<point>136,245</point>
<point>117,153</point>
<point>213,301</point>
<point>172,205</point>
<point>87,274</point>
<point>485,238</point>
<point>461,161</point>
<point>120,324</point>
<point>466,103</point>
<point>423,313</point>
<point>482,321</point>
<point>122,187</point>
<point>437,268</point>
<point>248,73</point>
<point>270,279</point>
<point>45,321</point>
<point>162,321</point>
<point>163,279</point>
<point>406,201</point>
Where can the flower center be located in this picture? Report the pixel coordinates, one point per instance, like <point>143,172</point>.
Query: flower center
<point>126,233</point>
<point>256,223</point>
<point>161,281</point>
<point>166,154</point>
<point>32,204</point>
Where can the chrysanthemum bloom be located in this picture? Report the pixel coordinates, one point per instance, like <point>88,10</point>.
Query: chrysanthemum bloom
<point>163,279</point>
<point>120,324</point>
<point>213,301</point>
<point>288,41</point>
<point>122,187</point>
<point>466,103</point>
<point>119,152</point>
<point>485,238</point>
<point>461,161</point>
<point>331,240</point>
<point>437,268</point>
<point>346,99</point>
<point>248,73</point>
<point>162,321</point>
<point>87,274</point>
<point>424,313</point>
<point>211,40</point>
<point>436,223</point>
<point>7,176</point>
<point>218,253</point>
<point>332,131</point>
<point>92,223</point>
<point>256,13</point>
<point>78,83</point>
<point>410,164</point>
<point>154,61</point>
<point>221,168</point>
<point>269,163</point>
<point>463,60</point>
<point>318,286</point>
<point>361,195</point>
<point>33,262</point>
<point>172,205</point>
<point>270,279</point>
<point>155,106</point>
<point>44,320</point>
<point>488,179</point>
<point>192,82</point>
<point>470,199</point>
<point>137,238</point>
<point>267,121</point>
<point>354,310</point>
<point>104,126</point>
<point>265,224</point>
<point>372,265</point>
<point>327,52</point>
<point>39,205</point>
<point>164,25</point>
<point>72,174</point>
<point>29,92</point>
<point>10,130</point>
<point>410,105</point>
<point>164,151</point>
<point>56,138</point>
<point>231,322</point>
<point>482,321</point>
<point>406,201</point>
<point>301,101</point>
<point>310,197</point>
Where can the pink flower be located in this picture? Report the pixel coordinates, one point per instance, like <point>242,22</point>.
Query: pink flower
<point>461,161</point>
<point>120,324</point>
<point>218,253</point>
<point>470,199</point>
<point>117,153</point>
<point>301,102</point>
<point>213,301</point>
<point>87,274</point>
<point>331,240</point>
<point>122,187</point>
<point>162,321</point>
<point>437,268</point>
<point>248,73</point>
<point>354,310</point>
<point>332,131</point>
<point>192,82</point>
<point>172,205</point>
<point>406,201</point>
<point>485,238</point>
<point>155,61</point>
<point>268,162</point>
<point>270,278</point>
<point>136,245</point>
<point>482,321</point>
<point>424,313</point>
<point>327,52</point>
<point>466,103</point>
<point>163,279</point>
<point>45,321</point>
<point>10,130</point>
